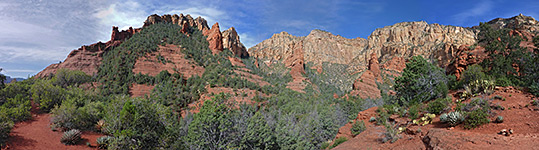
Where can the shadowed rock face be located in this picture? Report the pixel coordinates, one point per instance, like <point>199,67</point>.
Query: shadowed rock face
<point>231,40</point>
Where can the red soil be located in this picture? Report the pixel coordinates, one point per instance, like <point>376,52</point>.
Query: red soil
<point>36,134</point>
<point>519,115</point>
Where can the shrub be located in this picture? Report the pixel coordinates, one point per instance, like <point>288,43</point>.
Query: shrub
<point>17,108</point>
<point>439,105</point>
<point>452,118</point>
<point>338,141</point>
<point>476,118</point>
<point>472,73</point>
<point>499,119</point>
<point>103,141</point>
<point>66,77</point>
<point>71,137</point>
<point>372,119</point>
<point>325,145</point>
<point>357,128</point>
<point>391,134</point>
<point>420,81</point>
<point>47,95</point>
<point>6,124</point>
<point>414,110</point>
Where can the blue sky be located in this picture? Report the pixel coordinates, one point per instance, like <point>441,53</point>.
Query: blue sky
<point>37,33</point>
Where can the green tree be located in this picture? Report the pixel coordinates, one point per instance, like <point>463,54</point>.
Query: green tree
<point>420,81</point>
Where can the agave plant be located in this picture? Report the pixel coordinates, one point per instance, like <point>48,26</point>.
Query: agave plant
<point>71,137</point>
<point>452,118</point>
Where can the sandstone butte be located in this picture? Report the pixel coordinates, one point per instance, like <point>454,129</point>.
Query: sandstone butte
<point>88,58</point>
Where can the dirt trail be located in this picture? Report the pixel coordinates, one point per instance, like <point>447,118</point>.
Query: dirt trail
<point>36,134</point>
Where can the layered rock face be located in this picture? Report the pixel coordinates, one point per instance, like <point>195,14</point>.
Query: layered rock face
<point>403,40</point>
<point>319,46</point>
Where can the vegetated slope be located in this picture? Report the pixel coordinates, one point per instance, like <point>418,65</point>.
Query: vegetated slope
<point>494,113</point>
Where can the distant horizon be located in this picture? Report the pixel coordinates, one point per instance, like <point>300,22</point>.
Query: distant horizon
<point>37,34</point>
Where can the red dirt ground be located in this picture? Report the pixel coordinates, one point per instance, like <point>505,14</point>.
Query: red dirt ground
<point>519,115</point>
<point>36,134</point>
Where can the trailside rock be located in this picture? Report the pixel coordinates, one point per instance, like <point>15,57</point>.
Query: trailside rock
<point>231,40</point>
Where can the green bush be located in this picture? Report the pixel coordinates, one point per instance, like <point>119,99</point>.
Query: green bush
<point>138,123</point>
<point>17,108</point>
<point>71,137</point>
<point>439,105</point>
<point>66,77</point>
<point>357,128</point>
<point>338,141</point>
<point>476,118</point>
<point>414,111</point>
<point>472,73</point>
<point>103,141</point>
<point>47,95</point>
<point>5,127</point>
<point>420,81</point>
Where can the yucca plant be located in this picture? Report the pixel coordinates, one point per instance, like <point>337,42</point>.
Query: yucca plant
<point>452,118</point>
<point>103,142</point>
<point>71,137</point>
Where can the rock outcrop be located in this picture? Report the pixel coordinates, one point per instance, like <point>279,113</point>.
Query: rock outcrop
<point>88,58</point>
<point>215,39</point>
<point>231,40</point>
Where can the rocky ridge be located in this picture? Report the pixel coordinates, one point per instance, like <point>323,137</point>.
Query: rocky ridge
<point>88,58</point>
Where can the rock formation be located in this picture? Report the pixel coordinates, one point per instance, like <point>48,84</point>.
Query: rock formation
<point>231,40</point>
<point>215,39</point>
<point>402,39</point>
<point>88,58</point>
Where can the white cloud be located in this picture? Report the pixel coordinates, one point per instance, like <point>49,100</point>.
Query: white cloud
<point>247,40</point>
<point>121,14</point>
<point>480,9</point>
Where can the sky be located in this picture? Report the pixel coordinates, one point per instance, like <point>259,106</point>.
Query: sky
<point>37,33</point>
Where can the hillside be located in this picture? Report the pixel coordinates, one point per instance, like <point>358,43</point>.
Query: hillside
<point>176,83</point>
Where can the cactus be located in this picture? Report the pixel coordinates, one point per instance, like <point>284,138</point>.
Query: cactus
<point>452,118</point>
<point>103,142</point>
<point>71,137</point>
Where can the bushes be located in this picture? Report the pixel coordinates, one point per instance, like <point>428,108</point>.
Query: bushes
<point>70,116</point>
<point>66,77</point>
<point>17,108</point>
<point>420,81</point>
<point>439,105</point>
<point>138,123</point>
<point>476,118</point>
<point>47,95</point>
<point>103,141</point>
<point>357,128</point>
<point>5,127</point>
